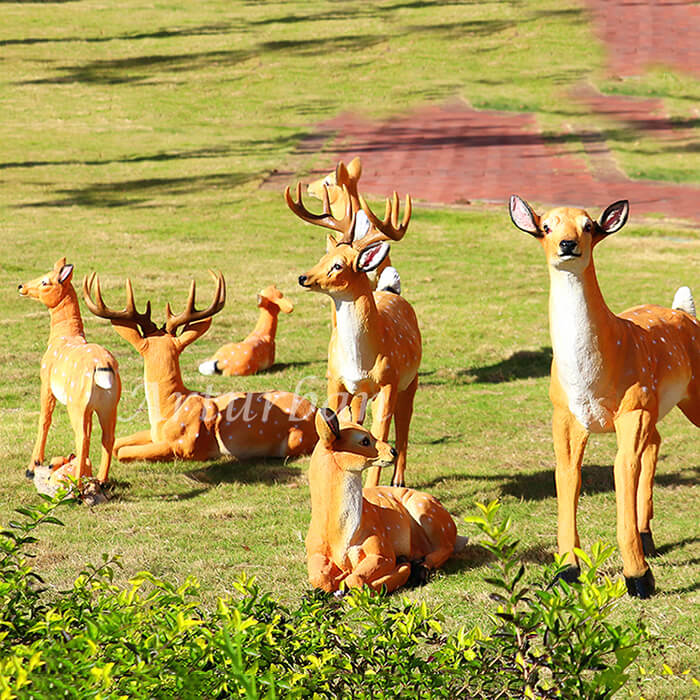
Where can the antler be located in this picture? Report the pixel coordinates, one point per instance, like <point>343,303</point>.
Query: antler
<point>190,314</point>
<point>129,315</point>
<point>345,226</point>
<point>388,228</point>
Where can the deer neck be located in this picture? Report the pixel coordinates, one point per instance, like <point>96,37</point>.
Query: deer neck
<point>337,504</point>
<point>267,323</point>
<point>356,322</point>
<point>162,381</point>
<point>583,331</point>
<point>66,321</point>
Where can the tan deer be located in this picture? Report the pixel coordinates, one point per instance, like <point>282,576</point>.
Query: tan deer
<point>257,352</point>
<point>342,188</point>
<point>378,536</point>
<point>83,376</point>
<point>375,346</point>
<point>610,373</point>
<point>189,424</point>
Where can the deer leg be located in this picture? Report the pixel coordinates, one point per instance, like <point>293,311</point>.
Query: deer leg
<point>337,396</point>
<point>323,573</point>
<point>108,424</point>
<point>634,430</point>
<point>402,422</point>
<point>48,403</point>
<point>143,437</point>
<point>382,410</point>
<point>570,439</point>
<point>154,451</point>
<point>376,570</point>
<point>645,503</point>
<point>81,420</point>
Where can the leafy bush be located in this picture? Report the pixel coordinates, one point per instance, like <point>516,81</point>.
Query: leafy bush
<point>152,639</point>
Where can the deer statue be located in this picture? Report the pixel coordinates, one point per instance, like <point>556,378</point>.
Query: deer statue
<point>610,373</point>
<point>341,185</point>
<point>375,346</point>
<point>189,424</point>
<point>257,352</point>
<point>378,536</point>
<point>83,376</point>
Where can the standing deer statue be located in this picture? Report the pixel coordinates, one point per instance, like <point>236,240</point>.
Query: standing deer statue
<point>375,347</point>
<point>378,536</point>
<point>83,376</point>
<point>610,373</point>
<point>257,352</point>
<point>341,185</point>
<point>189,424</point>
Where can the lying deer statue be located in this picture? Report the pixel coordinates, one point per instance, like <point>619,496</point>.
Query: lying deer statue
<point>610,373</point>
<point>375,347</point>
<point>81,375</point>
<point>341,186</point>
<point>189,424</point>
<point>257,352</point>
<point>376,536</point>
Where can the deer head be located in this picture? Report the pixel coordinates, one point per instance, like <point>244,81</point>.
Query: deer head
<point>568,235</point>
<point>355,251</point>
<point>51,287</point>
<point>138,328</point>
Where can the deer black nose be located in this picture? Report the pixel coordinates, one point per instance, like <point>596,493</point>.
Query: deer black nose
<point>394,453</point>
<point>19,287</point>
<point>567,247</point>
<point>302,280</point>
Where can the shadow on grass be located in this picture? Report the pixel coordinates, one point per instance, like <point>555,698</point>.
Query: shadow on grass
<point>524,364</point>
<point>231,472</point>
<point>138,192</point>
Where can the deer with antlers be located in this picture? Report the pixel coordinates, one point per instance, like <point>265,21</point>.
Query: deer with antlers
<point>342,187</point>
<point>619,373</point>
<point>375,347</point>
<point>377,536</point>
<point>189,424</point>
<point>83,376</point>
<point>257,352</point>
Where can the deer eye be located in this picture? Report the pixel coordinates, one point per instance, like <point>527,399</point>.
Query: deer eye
<point>587,225</point>
<point>365,442</point>
<point>44,283</point>
<point>337,266</point>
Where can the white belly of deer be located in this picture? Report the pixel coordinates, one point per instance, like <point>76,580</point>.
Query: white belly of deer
<point>576,353</point>
<point>349,329</point>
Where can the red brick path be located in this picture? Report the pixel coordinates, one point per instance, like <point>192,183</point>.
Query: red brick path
<point>451,153</point>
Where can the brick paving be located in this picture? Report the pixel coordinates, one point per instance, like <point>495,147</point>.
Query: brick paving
<point>451,153</point>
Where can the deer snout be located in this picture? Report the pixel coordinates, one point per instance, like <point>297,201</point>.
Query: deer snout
<point>394,453</point>
<point>22,290</point>
<point>303,279</point>
<point>568,247</point>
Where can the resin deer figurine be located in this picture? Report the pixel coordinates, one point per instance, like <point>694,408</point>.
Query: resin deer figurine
<point>257,352</point>
<point>610,373</point>
<point>189,424</point>
<point>341,186</point>
<point>83,376</point>
<point>375,347</point>
<point>378,536</point>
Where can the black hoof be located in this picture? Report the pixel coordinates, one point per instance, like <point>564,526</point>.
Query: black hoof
<point>641,586</point>
<point>397,484</point>
<point>419,574</point>
<point>570,575</point>
<point>648,544</point>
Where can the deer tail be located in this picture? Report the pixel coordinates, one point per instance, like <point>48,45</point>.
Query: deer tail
<point>683,301</point>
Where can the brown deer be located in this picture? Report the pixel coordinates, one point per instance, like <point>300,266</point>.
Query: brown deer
<point>375,346</point>
<point>189,424</point>
<point>257,352</point>
<point>619,373</point>
<point>376,536</point>
<point>83,376</point>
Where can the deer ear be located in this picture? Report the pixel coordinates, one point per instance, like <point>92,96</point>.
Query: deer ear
<point>614,217</point>
<point>355,168</point>
<point>362,225</point>
<point>341,174</point>
<point>523,217</point>
<point>327,425</point>
<point>65,274</point>
<point>371,257</point>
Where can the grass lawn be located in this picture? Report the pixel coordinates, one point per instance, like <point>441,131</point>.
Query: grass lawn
<point>135,138</point>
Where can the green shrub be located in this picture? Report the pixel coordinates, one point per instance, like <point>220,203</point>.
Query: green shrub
<point>152,639</point>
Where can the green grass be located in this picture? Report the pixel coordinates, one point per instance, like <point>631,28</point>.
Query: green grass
<point>134,140</point>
